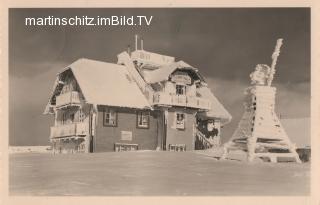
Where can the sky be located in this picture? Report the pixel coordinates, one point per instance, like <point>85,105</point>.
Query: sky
<point>225,44</point>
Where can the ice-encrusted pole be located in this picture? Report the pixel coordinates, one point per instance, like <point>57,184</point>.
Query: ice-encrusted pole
<point>274,60</point>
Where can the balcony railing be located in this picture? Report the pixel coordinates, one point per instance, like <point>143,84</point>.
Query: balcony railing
<point>69,98</point>
<point>160,98</point>
<point>74,129</point>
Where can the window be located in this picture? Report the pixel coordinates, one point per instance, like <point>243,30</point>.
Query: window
<point>110,118</point>
<point>180,118</point>
<point>64,118</point>
<point>66,88</point>
<point>180,89</point>
<point>143,120</point>
<point>70,84</point>
<point>81,115</point>
<point>67,117</point>
<point>72,117</point>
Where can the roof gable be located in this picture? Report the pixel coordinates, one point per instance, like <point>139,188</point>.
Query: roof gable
<point>163,72</point>
<point>108,84</point>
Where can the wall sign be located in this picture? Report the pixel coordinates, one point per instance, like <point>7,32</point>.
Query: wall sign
<point>126,135</point>
<point>184,79</point>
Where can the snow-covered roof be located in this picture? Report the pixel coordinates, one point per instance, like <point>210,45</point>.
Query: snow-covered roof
<point>150,58</point>
<point>108,84</point>
<point>163,72</point>
<point>217,110</point>
<point>298,131</point>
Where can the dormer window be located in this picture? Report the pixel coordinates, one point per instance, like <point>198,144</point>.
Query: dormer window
<point>180,89</point>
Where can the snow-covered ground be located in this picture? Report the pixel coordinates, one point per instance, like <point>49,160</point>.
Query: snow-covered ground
<point>151,173</point>
<point>28,149</point>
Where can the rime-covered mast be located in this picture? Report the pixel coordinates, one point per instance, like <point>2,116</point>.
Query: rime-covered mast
<point>260,133</point>
<point>274,57</point>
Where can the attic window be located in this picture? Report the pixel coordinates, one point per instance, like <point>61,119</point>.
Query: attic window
<point>180,89</point>
<point>110,118</point>
<point>69,86</point>
<point>143,120</point>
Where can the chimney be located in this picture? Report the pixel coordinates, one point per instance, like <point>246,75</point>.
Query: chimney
<point>141,43</point>
<point>136,42</point>
<point>129,50</point>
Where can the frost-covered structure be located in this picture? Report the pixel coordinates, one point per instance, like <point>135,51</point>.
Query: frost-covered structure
<point>260,133</point>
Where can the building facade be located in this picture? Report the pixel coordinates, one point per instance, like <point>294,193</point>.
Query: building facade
<point>146,101</point>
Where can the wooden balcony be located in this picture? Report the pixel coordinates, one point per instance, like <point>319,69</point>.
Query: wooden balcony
<point>165,99</point>
<point>68,99</point>
<point>74,129</point>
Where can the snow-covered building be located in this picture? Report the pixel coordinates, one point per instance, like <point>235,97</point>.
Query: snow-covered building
<point>145,101</point>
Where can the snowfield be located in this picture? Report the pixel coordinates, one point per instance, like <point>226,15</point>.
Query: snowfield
<point>151,173</point>
<point>28,149</point>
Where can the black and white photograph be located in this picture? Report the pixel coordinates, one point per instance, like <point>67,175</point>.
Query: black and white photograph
<point>159,102</point>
